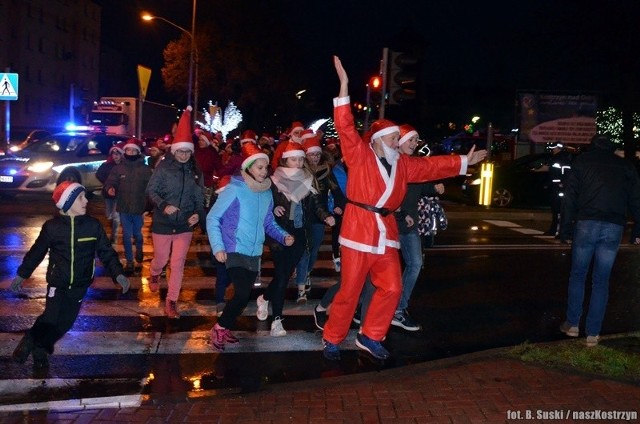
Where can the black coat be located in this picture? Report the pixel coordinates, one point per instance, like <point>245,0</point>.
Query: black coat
<point>600,187</point>
<point>72,244</point>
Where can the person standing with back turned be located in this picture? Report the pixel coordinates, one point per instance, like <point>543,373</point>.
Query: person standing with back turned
<point>377,183</point>
<point>600,189</point>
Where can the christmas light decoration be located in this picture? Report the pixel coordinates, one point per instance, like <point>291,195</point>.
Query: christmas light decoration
<point>609,122</point>
<point>215,123</point>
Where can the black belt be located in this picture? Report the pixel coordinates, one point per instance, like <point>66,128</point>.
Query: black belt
<point>381,211</point>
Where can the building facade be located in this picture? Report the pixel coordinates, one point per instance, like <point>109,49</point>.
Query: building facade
<point>54,47</point>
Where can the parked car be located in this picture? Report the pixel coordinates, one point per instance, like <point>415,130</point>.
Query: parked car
<point>32,136</point>
<point>43,164</point>
<point>523,182</point>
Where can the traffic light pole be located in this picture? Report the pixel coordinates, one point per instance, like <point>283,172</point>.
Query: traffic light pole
<point>368,112</point>
<point>383,72</point>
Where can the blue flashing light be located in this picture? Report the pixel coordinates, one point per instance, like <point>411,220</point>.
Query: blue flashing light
<point>70,126</point>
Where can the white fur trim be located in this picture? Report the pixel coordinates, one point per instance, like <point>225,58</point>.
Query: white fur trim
<point>132,145</point>
<point>186,145</point>
<point>314,149</point>
<point>253,157</point>
<point>294,153</point>
<point>341,101</point>
<point>385,131</point>
<point>66,193</point>
<point>406,137</point>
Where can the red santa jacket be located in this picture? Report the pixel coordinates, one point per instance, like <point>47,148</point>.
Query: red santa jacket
<point>369,183</point>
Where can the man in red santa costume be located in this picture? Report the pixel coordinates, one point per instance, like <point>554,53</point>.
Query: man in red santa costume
<point>377,184</point>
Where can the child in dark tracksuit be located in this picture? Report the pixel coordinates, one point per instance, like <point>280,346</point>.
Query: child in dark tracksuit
<point>72,240</point>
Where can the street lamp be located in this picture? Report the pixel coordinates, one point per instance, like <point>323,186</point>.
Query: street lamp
<point>193,54</point>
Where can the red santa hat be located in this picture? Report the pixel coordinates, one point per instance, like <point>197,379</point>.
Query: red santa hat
<point>406,132</point>
<point>203,137</point>
<point>332,142</point>
<point>306,134</point>
<point>182,139</point>
<point>312,145</point>
<point>382,127</point>
<point>293,150</point>
<point>297,125</point>
<point>118,147</point>
<point>132,143</point>
<point>250,153</point>
<point>248,136</point>
<point>66,193</point>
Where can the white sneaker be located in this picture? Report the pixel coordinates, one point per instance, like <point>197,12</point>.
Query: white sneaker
<point>276,328</point>
<point>263,308</point>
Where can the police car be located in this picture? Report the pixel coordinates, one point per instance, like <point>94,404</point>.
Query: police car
<point>72,155</point>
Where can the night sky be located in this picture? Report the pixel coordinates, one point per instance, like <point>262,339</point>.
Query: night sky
<point>475,57</point>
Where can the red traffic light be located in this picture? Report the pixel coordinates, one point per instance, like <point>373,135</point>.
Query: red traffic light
<point>375,83</point>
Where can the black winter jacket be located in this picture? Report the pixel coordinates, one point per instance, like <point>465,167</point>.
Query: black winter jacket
<point>180,185</point>
<point>72,244</point>
<point>600,187</point>
<point>325,181</point>
<point>130,179</point>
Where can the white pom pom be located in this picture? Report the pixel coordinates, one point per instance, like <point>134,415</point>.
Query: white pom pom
<point>189,108</point>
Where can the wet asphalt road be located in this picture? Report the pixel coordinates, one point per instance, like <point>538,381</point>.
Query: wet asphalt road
<point>490,286</point>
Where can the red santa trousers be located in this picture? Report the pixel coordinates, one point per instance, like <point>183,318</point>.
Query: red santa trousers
<point>385,273</point>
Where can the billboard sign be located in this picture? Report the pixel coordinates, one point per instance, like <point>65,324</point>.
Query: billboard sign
<point>547,117</point>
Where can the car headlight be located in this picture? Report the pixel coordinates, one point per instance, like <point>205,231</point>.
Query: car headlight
<point>40,166</point>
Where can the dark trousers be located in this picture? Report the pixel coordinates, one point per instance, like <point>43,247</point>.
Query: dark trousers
<point>285,260</point>
<point>222,280</point>
<point>60,312</point>
<point>243,280</point>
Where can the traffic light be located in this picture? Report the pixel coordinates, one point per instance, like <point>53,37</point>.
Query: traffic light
<point>403,72</point>
<point>375,91</point>
<point>375,83</point>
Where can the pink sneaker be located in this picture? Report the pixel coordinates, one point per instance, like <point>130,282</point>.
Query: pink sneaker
<point>154,283</point>
<point>220,336</point>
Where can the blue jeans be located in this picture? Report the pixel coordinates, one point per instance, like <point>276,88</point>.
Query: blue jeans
<point>597,240</point>
<point>310,255</point>
<point>131,227</point>
<point>411,249</point>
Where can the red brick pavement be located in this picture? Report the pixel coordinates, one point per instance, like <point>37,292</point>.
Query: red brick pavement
<point>470,389</point>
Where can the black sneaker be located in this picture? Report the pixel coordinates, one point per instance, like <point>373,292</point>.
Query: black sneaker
<point>129,268</point>
<point>320,318</point>
<point>23,350</point>
<point>139,256</point>
<point>403,320</point>
<point>40,358</point>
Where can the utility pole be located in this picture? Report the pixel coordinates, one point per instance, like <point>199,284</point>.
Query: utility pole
<point>383,73</point>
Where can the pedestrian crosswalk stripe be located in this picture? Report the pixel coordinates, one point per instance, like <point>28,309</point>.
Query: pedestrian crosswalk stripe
<point>156,343</point>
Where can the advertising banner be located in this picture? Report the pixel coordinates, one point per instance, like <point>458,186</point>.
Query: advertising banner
<point>548,117</point>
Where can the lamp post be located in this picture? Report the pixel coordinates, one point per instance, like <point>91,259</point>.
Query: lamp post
<point>193,54</point>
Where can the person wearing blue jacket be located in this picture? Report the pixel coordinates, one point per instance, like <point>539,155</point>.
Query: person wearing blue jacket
<point>236,226</point>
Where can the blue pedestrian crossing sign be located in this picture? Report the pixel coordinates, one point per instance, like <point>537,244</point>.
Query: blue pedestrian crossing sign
<point>8,86</point>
